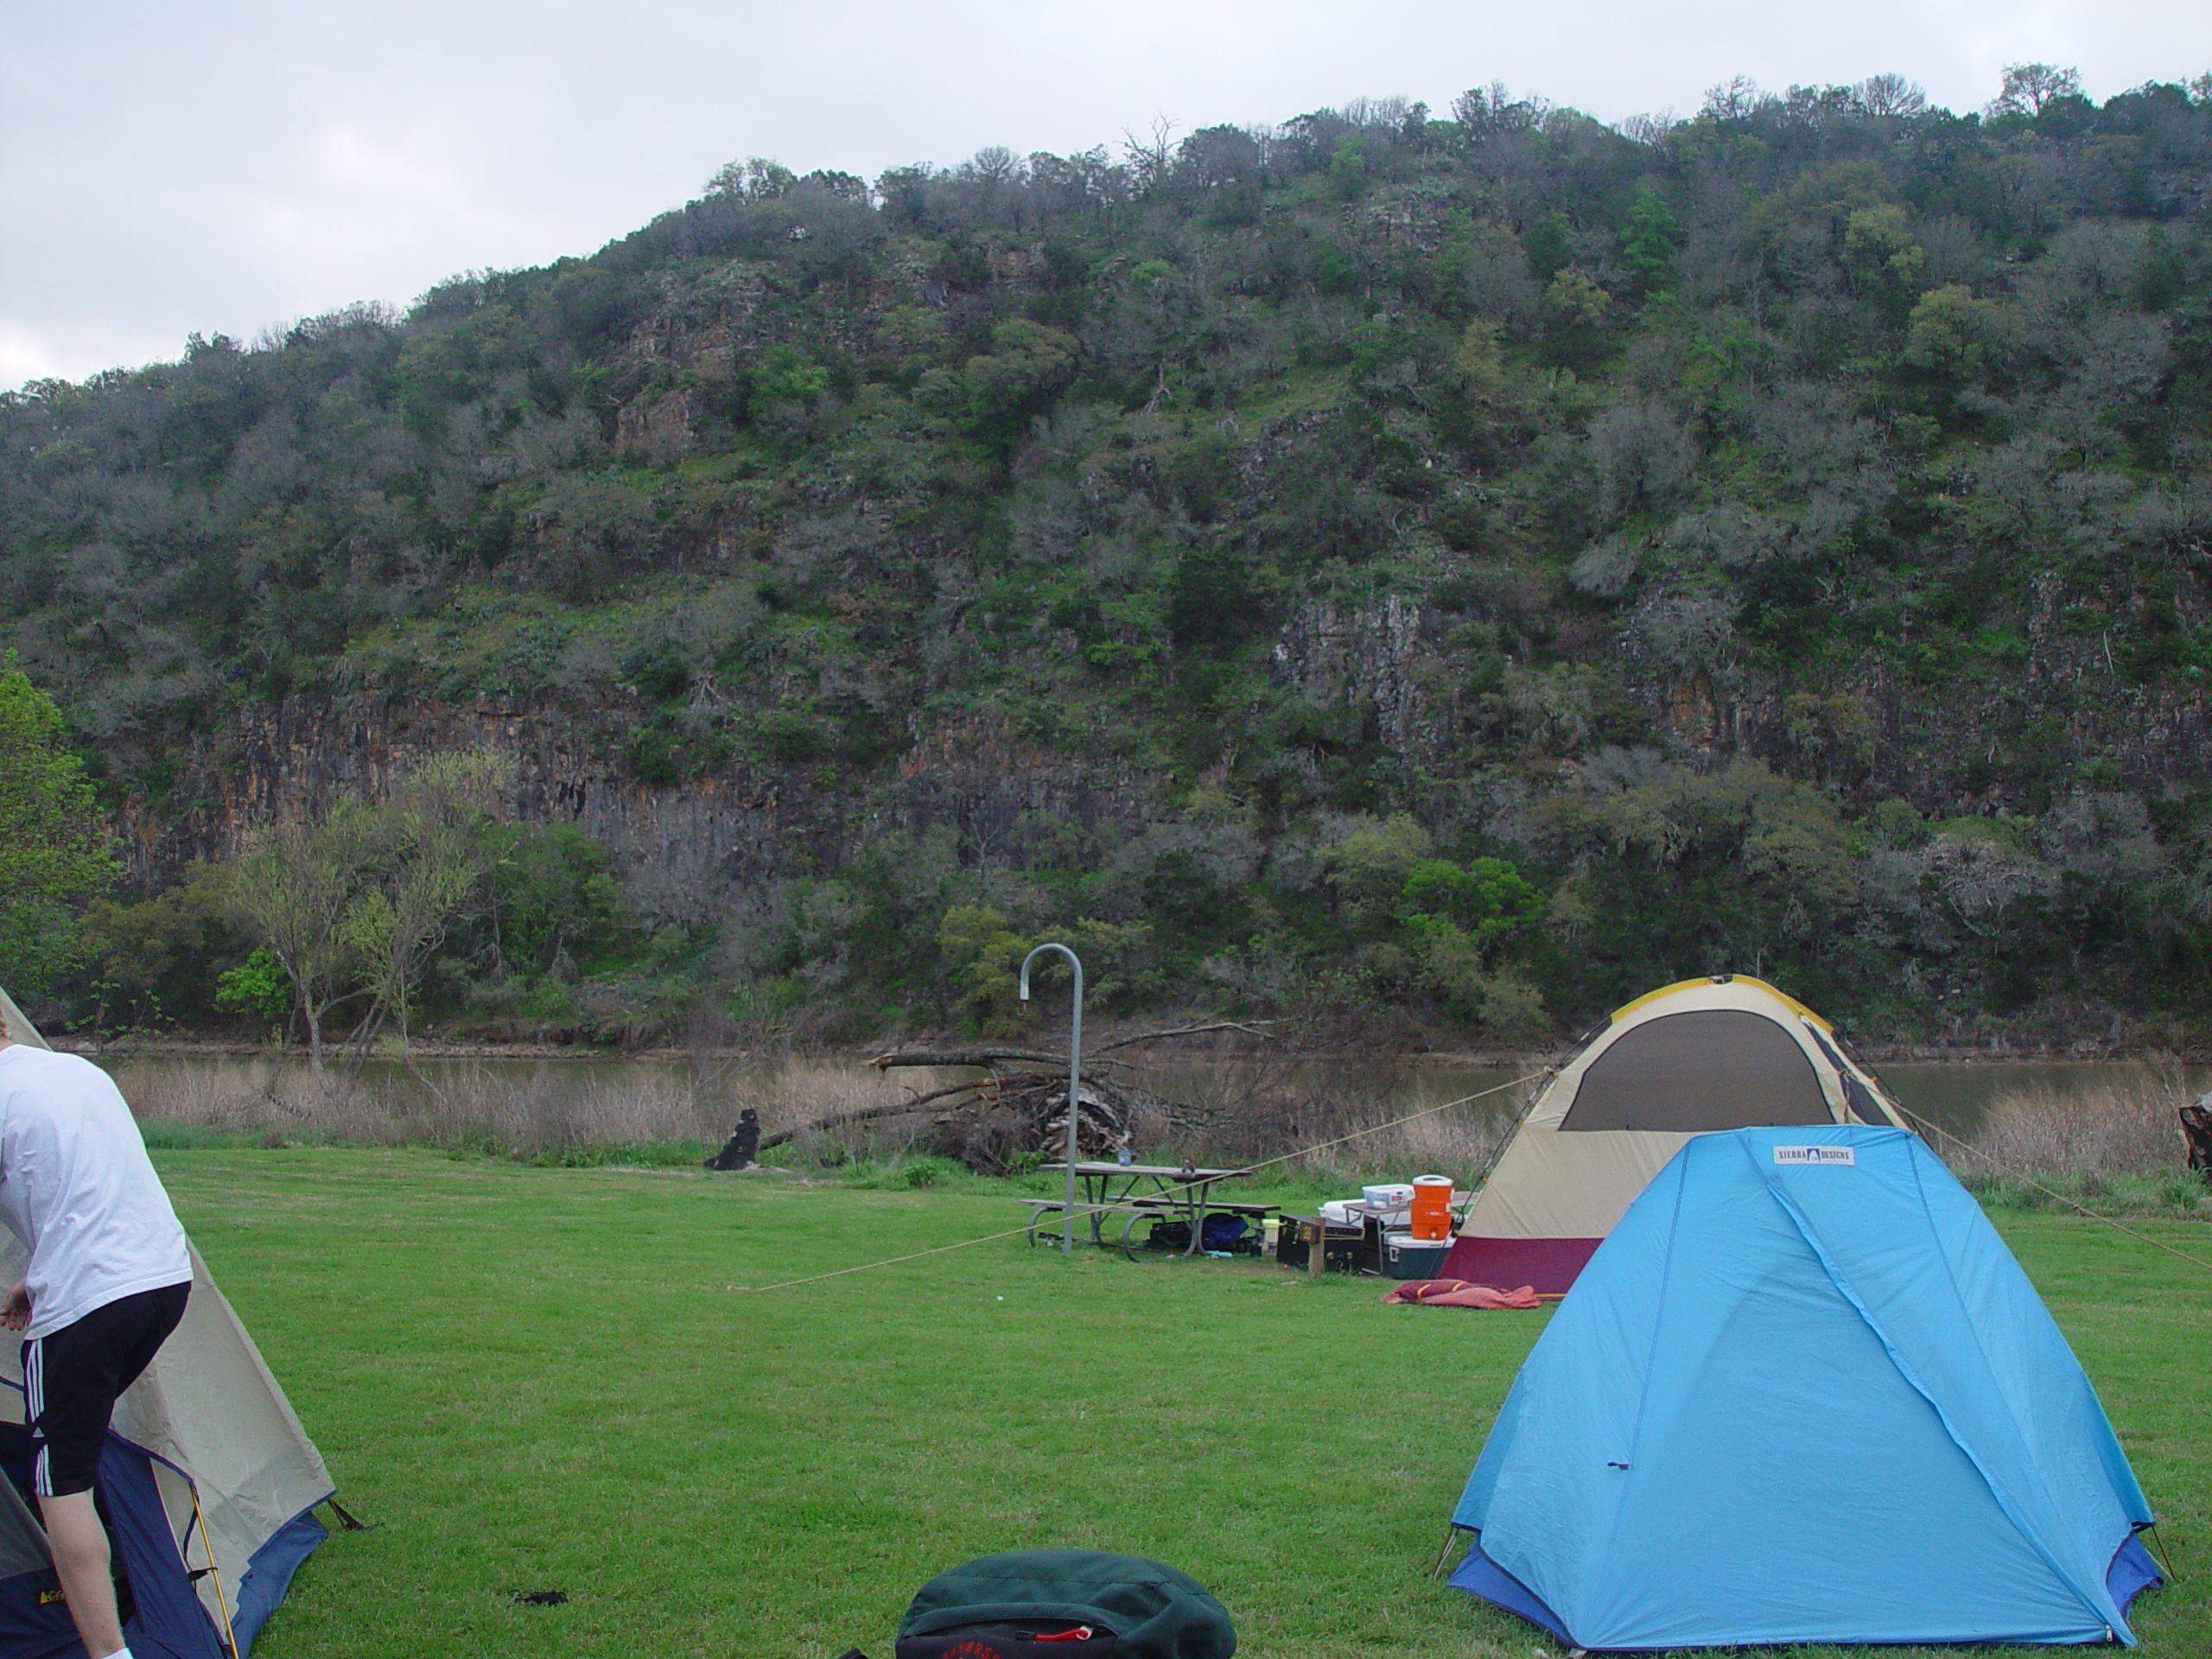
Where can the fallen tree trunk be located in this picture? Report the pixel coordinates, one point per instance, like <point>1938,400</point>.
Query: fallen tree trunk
<point>983,1057</point>
<point>866,1114</point>
<point>1017,1109</point>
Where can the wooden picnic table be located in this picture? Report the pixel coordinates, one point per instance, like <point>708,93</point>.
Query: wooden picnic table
<point>1136,1190</point>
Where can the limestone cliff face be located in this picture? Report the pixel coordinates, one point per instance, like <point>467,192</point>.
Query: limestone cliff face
<point>1382,660</point>
<point>687,850</point>
<point>1388,668</point>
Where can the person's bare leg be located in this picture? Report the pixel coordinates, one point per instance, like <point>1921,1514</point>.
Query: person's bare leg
<point>79,1542</point>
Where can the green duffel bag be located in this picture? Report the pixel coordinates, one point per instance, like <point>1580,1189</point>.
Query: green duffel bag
<point>1064,1603</point>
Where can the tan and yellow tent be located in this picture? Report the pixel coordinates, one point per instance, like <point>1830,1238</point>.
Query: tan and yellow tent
<point>1721,1053</point>
<point>208,1479</point>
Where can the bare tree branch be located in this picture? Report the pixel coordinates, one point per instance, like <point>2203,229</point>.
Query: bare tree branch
<point>1254,1029</point>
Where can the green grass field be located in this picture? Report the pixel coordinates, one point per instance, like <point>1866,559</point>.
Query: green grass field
<point>541,1378</point>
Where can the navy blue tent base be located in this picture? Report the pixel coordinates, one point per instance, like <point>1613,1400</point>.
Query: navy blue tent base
<point>269,1574</point>
<point>2132,1573</point>
<point>1481,1576</point>
<point>168,1621</point>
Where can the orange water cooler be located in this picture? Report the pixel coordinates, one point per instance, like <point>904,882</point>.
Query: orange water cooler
<point>1432,1216</point>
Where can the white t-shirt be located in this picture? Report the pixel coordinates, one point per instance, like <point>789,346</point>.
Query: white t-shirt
<point>77,1187</point>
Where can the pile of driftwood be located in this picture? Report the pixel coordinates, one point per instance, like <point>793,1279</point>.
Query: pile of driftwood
<point>1019,1105</point>
<point>2196,1133</point>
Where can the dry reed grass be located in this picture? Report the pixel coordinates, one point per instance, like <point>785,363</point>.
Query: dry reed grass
<point>1352,1119</point>
<point>534,1107</point>
<point>2122,1125</point>
<point>1233,1111</point>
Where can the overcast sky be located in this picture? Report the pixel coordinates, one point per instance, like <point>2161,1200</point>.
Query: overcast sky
<point>234,164</point>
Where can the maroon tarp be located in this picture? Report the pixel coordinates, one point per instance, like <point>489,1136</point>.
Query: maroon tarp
<point>1548,1264</point>
<point>1458,1293</point>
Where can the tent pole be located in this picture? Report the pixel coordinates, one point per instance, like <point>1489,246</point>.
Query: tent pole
<point>2159,1545</point>
<point>215,1573</point>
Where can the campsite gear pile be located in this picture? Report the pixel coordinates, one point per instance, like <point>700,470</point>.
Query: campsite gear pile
<point>1802,1393</point>
<point>207,1479</point>
<point>1701,1057</point>
<point>1400,1227</point>
<point>1063,1603</point>
<point>1390,1203</point>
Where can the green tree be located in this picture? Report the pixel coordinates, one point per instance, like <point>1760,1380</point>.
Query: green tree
<point>432,856</point>
<point>1369,867</point>
<point>981,956</point>
<point>1485,899</point>
<point>296,888</point>
<point>1548,243</point>
<point>1648,242</point>
<point>1952,333</point>
<point>156,960</point>
<point>54,844</point>
<point>257,986</point>
<point>551,901</point>
<point>353,901</point>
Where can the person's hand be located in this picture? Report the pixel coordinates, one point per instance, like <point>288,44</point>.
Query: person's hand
<point>15,1310</point>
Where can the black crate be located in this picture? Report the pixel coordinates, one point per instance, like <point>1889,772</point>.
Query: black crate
<point>1347,1250</point>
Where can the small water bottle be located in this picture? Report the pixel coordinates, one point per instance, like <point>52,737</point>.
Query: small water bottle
<point>1121,1154</point>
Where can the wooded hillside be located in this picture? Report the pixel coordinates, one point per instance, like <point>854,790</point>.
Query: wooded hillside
<point>1456,571</point>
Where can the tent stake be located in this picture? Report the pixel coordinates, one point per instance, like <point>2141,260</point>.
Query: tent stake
<point>1451,1531</point>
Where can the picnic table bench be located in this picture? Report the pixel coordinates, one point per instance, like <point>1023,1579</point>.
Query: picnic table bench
<point>1183,1192</point>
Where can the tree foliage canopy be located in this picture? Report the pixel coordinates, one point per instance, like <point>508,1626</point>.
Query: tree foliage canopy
<point>1658,511</point>
<point>54,841</point>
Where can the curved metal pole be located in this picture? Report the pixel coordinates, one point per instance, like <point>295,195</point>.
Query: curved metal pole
<point>1075,1079</point>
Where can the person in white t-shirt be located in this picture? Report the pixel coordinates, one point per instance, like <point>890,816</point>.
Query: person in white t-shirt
<point>107,1282</point>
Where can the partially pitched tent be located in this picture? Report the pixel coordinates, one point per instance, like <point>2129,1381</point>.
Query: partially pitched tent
<point>209,1478</point>
<point>1803,1393</point>
<point>1692,1058</point>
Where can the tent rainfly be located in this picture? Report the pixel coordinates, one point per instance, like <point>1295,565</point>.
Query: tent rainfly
<point>1692,1058</point>
<point>207,1478</point>
<point>1804,1393</point>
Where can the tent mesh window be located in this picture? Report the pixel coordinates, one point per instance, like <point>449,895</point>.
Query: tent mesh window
<point>1686,1073</point>
<point>1863,1106</point>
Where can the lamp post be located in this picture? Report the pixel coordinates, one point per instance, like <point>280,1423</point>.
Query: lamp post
<point>1075,1079</point>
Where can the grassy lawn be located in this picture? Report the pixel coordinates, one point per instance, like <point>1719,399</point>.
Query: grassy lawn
<point>538,1378</point>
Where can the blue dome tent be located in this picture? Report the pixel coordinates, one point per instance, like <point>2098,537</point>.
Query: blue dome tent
<point>1803,1393</point>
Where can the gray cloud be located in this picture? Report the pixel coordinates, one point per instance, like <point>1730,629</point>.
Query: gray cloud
<point>241,163</point>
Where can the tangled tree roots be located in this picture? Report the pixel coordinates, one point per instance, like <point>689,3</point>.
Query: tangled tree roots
<point>1019,1106</point>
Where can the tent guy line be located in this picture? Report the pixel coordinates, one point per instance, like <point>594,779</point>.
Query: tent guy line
<point>1249,1169</point>
<point>2030,1180</point>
